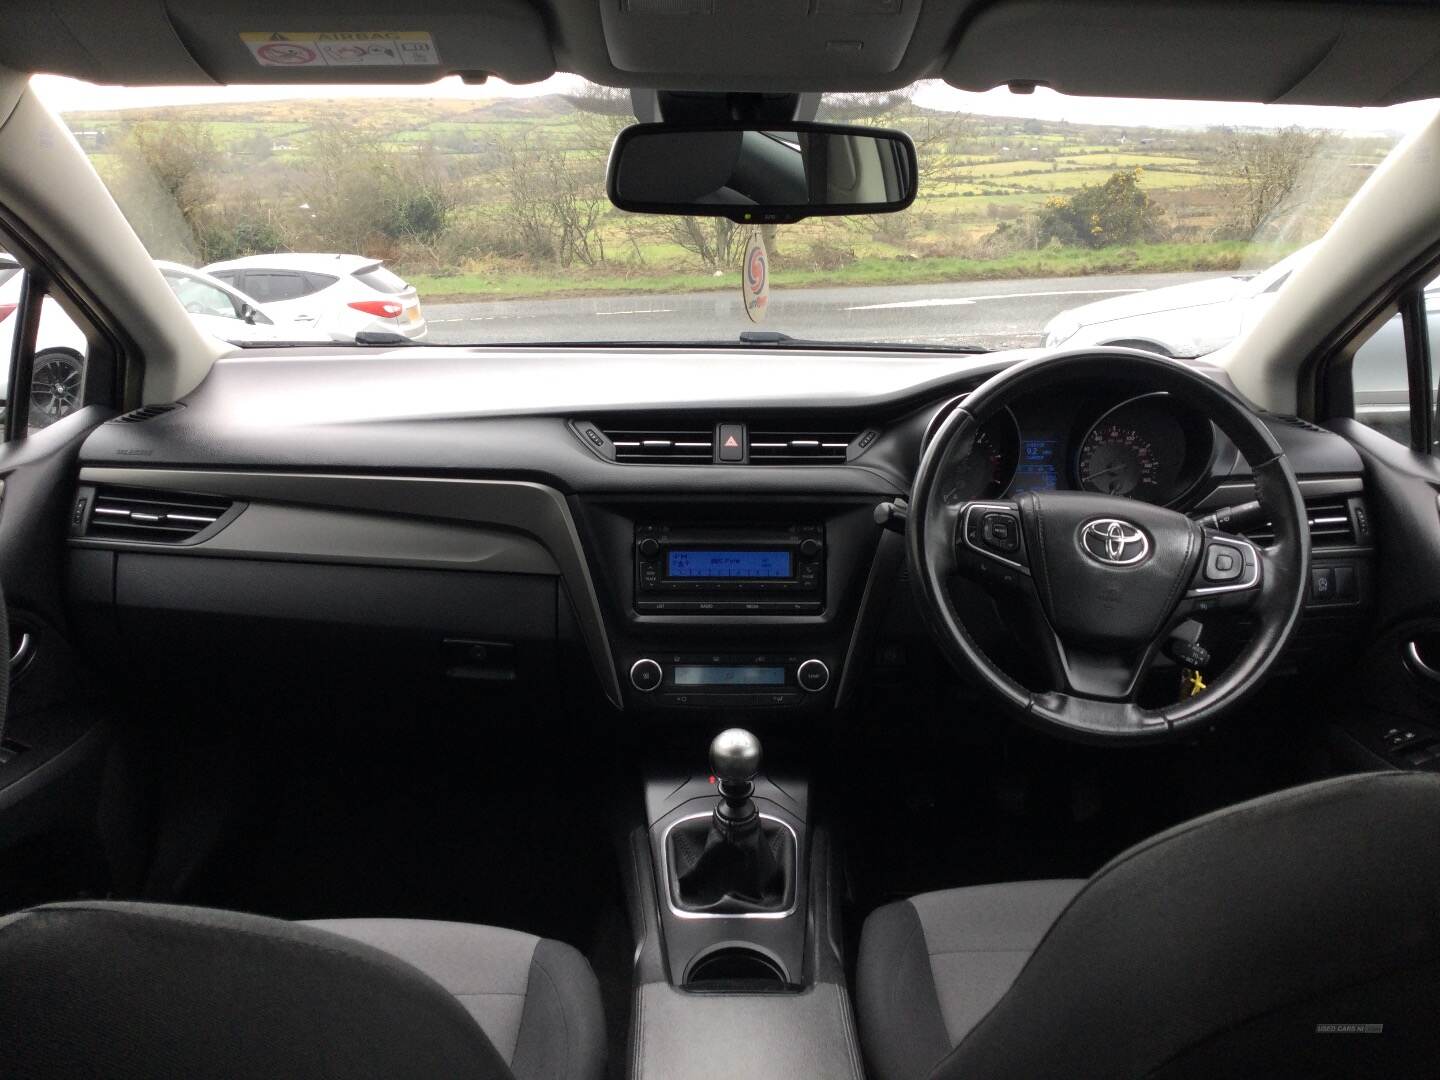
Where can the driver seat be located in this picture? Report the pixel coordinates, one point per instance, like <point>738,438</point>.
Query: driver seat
<point>1296,935</point>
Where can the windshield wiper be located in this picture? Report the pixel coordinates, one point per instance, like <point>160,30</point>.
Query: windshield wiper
<point>775,339</point>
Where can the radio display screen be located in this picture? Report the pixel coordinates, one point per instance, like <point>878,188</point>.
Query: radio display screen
<point>684,563</point>
<point>715,675</point>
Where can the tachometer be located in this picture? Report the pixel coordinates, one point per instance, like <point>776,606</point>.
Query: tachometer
<point>986,471</point>
<point>1116,459</point>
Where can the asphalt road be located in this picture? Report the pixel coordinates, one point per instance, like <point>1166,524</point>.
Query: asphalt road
<point>994,314</point>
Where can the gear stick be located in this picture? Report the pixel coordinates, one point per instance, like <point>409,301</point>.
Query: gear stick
<point>732,861</point>
<point>735,762</point>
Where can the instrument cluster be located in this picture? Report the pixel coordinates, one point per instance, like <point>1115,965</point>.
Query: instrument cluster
<point>1145,446</point>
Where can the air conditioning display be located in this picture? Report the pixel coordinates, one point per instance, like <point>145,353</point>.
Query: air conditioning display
<point>728,675</point>
<point>684,563</point>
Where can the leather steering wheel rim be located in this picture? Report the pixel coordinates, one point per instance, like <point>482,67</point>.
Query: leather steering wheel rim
<point>936,549</point>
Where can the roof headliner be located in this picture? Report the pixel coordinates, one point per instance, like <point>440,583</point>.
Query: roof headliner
<point>1358,53</point>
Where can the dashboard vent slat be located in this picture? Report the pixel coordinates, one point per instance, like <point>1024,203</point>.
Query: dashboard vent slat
<point>644,446</point>
<point>1330,525</point>
<point>794,447</point>
<point>155,517</point>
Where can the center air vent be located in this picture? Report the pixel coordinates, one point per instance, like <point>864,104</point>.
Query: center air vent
<point>800,447</point>
<point>684,440</point>
<point>1331,524</point>
<point>156,517</point>
<point>663,446</point>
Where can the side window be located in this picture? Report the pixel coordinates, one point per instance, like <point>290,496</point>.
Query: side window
<point>1380,374</point>
<point>268,286</point>
<point>200,298</point>
<point>55,369</point>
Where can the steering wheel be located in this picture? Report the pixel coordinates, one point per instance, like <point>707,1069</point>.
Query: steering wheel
<point>1100,582</point>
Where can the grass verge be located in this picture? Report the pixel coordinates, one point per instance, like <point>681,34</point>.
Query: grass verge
<point>506,284</point>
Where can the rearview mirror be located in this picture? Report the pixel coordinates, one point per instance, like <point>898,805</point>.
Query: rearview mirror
<point>771,175</point>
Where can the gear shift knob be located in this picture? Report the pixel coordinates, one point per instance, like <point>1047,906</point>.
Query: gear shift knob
<point>734,756</point>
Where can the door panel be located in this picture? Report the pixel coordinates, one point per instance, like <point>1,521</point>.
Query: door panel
<point>61,722</point>
<point>1395,691</point>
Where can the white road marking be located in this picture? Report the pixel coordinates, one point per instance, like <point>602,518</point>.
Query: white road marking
<point>637,311</point>
<point>955,301</point>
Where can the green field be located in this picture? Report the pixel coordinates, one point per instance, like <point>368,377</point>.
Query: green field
<point>524,212</point>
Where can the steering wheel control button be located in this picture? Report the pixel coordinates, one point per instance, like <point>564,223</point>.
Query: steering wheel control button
<point>645,675</point>
<point>1000,531</point>
<point>1223,563</point>
<point>813,676</point>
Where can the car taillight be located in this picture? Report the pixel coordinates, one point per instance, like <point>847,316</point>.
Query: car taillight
<point>5,310</point>
<point>381,309</point>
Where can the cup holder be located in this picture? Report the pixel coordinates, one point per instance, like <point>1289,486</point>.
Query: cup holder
<point>736,969</point>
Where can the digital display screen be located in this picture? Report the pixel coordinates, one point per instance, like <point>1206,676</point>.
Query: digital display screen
<point>712,675</point>
<point>727,564</point>
<point>1036,470</point>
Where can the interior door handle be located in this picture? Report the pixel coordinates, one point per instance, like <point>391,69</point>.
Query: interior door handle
<point>1416,663</point>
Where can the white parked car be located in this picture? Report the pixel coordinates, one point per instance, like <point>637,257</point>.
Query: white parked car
<point>1178,320</point>
<point>217,308</point>
<point>340,295</point>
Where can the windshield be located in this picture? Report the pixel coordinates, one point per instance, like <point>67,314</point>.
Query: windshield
<point>473,215</point>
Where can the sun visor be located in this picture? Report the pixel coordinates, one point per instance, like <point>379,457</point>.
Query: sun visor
<point>273,41</point>
<point>1302,53</point>
<point>759,39</point>
<point>260,41</point>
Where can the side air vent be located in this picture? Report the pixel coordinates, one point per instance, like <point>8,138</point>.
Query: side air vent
<point>155,517</point>
<point>1295,421</point>
<point>1332,524</point>
<point>800,447</point>
<point>693,446</point>
<point>146,412</point>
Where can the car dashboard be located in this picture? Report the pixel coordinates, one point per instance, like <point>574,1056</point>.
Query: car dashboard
<point>698,528</point>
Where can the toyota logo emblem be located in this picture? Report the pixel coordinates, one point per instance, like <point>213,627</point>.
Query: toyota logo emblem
<point>1114,542</point>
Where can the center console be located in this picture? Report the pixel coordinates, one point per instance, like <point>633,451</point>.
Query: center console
<point>739,970</point>
<point>719,606</point>
<point>725,611</point>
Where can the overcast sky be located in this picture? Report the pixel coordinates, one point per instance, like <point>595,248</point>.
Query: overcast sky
<point>70,95</point>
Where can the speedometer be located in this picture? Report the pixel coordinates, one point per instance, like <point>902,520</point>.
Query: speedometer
<point>1116,459</point>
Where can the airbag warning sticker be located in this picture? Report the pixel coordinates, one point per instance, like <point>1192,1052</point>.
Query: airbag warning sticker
<point>347,48</point>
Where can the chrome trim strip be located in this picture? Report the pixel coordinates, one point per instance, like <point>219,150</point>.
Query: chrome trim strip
<point>1417,664</point>
<point>680,913</point>
<point>20,652</point>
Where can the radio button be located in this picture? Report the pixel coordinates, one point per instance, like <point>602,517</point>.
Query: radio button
<point>645,675</point>
<point>649,547</point>
<point>813,675</point>
<point>810,547</point>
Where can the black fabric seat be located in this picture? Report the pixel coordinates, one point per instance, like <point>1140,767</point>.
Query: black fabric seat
<point>1297,935</point>
<point>121,990</point>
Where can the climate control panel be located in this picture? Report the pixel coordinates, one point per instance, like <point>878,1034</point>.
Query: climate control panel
<point>728,681</point>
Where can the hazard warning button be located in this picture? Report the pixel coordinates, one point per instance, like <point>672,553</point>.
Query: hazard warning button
<point>732,442</point>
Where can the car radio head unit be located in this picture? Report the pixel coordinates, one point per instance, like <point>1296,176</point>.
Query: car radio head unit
<point>731,570</point>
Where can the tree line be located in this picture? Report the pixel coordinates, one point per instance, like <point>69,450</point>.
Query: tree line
<point>533,194</point>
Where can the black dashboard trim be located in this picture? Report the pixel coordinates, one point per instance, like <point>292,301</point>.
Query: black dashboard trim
<point>532,509</point>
